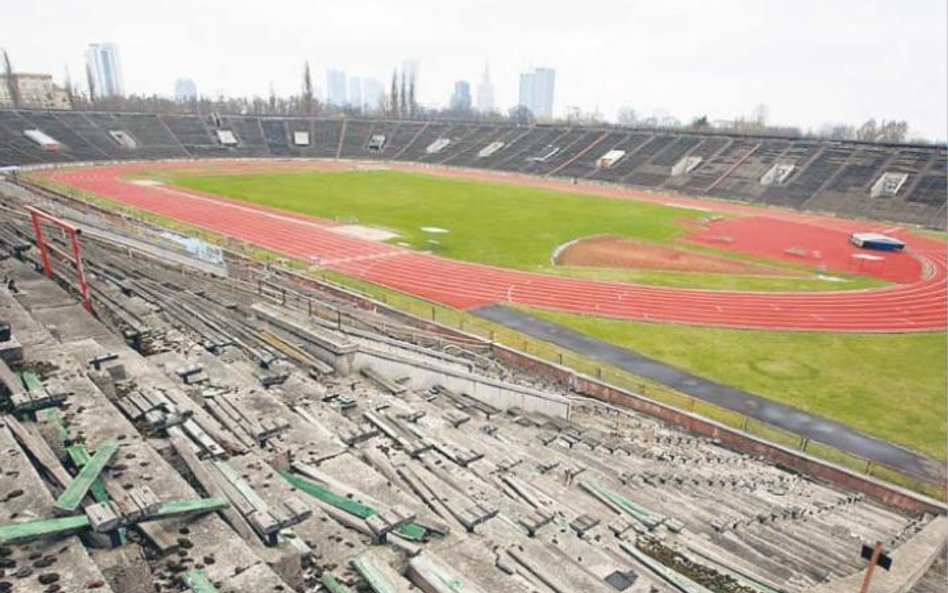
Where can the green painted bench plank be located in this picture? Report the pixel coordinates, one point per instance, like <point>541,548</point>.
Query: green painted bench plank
<point>54,417</point>
<point>332,584</point>
<point>31,381</point>
<point>72,496</point>
<point>373,576</point>
<point>199,582</point>
<point>411,531</point>
<point>80,456</point>
<point>18,533</point>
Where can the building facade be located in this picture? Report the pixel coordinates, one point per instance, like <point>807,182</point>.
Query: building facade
<point>461,98</point>
<point>35,91</point>
<point>105,70</point>
<point>536,91</point>
<point>485,93</point>
<point>336,91</point>
<point>185,90</point>
<point>373,94</point>
<point>354,97</point>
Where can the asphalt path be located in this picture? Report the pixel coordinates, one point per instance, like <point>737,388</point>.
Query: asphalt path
<point>791,419</point>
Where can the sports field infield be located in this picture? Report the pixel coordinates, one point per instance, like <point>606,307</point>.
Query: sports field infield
<point>496,224</point>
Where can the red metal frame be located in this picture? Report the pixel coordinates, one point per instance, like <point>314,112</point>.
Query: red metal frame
<point>75,258</point>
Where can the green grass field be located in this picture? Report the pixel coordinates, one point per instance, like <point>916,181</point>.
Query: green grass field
<point>720,281</point>
<point>494,223</point>
<point>889,385</point>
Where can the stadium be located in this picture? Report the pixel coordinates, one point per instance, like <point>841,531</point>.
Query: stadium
<point>347,306</point>
<point>494,297</point>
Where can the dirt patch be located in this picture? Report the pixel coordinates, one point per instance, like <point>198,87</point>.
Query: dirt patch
<point>365,232</point>
<point>616,252</point>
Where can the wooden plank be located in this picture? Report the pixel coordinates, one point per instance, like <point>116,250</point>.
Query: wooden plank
<point>72,496</point>
<point>208,480</point>
<point>40,451</point>
<point>18,533</point>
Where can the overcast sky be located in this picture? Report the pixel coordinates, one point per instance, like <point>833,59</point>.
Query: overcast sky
<point>810,61</point>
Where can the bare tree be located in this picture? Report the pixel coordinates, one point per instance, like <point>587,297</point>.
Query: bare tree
<point>521,115</point>
<point>12,83</point>
<point>893,131</point>
<point>868,132</point>
<point>307,90</point>
<point>411,97</point>
<point>393,100</point>
<point>67,86</point>
<point>626,116</point>
<point>402,101</point>
<point>759,115</point>
<point>90,80</point>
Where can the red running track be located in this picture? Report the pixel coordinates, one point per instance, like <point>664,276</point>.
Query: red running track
<point>918,303</point>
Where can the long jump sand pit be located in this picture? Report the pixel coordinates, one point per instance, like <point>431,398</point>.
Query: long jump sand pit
<point>618,252</point>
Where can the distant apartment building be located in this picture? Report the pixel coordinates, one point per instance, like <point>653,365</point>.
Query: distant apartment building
<point>35,91</point>
<point>373,94</point>
<point>336,92</point>
<point>536,91</point>
<point>461,98</point>
<point>105,69</point>
<point>485,93</point>
<point>185,90</point>
<point>354,97</point>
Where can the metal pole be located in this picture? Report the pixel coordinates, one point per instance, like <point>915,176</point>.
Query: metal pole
<point>41,243</point>
<point>83,283</point>
<point>876,552</point>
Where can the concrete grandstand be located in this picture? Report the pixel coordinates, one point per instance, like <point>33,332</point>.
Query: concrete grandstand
<point>900,183</point>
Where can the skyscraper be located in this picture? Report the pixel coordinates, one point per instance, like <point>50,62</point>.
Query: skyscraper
<point>485,92</point>
<point>336,88</point>
<point>355,92</point>
<point>105,69</point>
<point>373,93</point>
<point>536,91</point>
<point>461,99</point>
<point>185,90</point>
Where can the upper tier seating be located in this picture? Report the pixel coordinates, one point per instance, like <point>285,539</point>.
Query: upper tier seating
<point>825,176</point>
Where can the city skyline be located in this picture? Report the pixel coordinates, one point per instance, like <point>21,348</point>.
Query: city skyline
<point>819,63</point>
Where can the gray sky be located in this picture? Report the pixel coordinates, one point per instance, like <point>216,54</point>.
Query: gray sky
<point>810,61</point>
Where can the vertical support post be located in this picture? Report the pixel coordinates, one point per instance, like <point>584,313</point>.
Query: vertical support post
<point>876,552</point>
<point>83,283</point>
<point>41,243</point>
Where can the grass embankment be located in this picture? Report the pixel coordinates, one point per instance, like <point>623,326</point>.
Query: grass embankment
<point>888,385</point>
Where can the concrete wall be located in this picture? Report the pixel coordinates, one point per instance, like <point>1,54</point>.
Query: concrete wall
<point>423,375</point>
